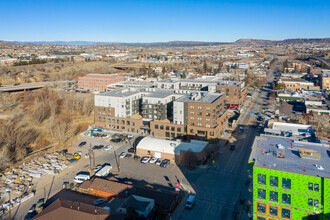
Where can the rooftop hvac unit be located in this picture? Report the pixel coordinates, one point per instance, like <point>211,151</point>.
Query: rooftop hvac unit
<point>280,146</point>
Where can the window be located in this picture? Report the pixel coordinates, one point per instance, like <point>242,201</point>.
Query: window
<point>286,198</point>
<point>199,108</point>
<point>310,186</point>
<point>192,118</point>
<point>316,203</point>
<point>192,107</point>
<point>211,133</point>
<point>261,218</point>
<point>208,126</point>
<point>167,134</point>
<point>208,108</point>
<point>161,127</point>
<point>192,113</point>
<point>273,181</point>
<point>156,126</point>
<point>316,187</point>
<point>172,128</point>
<point>310,202</point>
<point>167,128</point>
<point>200,113</point>
<point>273,210</point>
<point>133,123</point>
<point>273,196</point>
<point>199,125</point>
<point>178,129</point>
<point>208,114</point>
<point>199,119</point>
<point>261,208</point>
<point>286,183</point>
<point>262,179</point>
<point>261,194</point>
<point>191,131</point>
<point>286,213</point>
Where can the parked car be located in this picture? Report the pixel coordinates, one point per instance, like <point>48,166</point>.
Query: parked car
<point>108,147</point>
<point>117,140</point>
<point>165,163</point>
<point>128,155</point>
<point>122,155</point>
<point>145,159</point>
<point>131,150</point>
<point>73,160</point>
<point>82,143</point>
<point>153,160</point>
<point>159,161</point>
<point>100,201</point>
<point>78,152</point>
<point>130,136</point>
<point>76,156</point>
<point>105,136</point>
<point>97,168</point>
<point>136,157</point>
<point>190,201</point>
<point>63,152</point>
<point>30,215</point>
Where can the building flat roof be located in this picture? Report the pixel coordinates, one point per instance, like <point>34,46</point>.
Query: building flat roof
<point>300,157</point>
<point>216,82</point>
<point>122,92</point>
<point>169,146</point>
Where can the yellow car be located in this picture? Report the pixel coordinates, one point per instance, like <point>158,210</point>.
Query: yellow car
<point>76,156</point>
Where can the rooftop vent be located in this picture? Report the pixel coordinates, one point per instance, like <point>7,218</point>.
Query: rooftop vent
<point>309,154</point>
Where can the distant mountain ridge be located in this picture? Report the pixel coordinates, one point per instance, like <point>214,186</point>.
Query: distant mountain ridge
<point>241,42</point>
<point>283,42</point>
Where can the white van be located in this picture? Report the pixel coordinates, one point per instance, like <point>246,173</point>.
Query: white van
<point>80,178</point>
<point>190,202</point>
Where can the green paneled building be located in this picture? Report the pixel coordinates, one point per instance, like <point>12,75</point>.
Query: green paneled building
<point>291,179</point>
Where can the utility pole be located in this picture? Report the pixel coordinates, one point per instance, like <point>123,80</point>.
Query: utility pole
<point>118,163</point>
<point>9,205</point>
<point>89,157</point>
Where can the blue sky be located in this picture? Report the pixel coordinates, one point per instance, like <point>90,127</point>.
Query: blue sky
<point>163,20</point>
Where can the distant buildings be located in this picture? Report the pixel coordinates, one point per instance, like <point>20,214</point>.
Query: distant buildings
<point>234,91</point>
<point>298,84</point>
<point>291,179</point>
<point>98,82</point>
<point>325,79</point>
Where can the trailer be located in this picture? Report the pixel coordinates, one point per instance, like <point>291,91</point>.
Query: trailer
<point>104,171</point>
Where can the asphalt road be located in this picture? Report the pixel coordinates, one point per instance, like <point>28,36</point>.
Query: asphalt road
<point>10,88</point>
<point>219,189</point>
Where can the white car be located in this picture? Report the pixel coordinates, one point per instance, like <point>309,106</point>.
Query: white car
<point>122,155</point>
<point>159,161</point>
<point>145,159</point>
<point>97,168</point>
<point>108,147</point>
<point>130,136</point>
<point>153,160</point>
<point>78,152</point>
